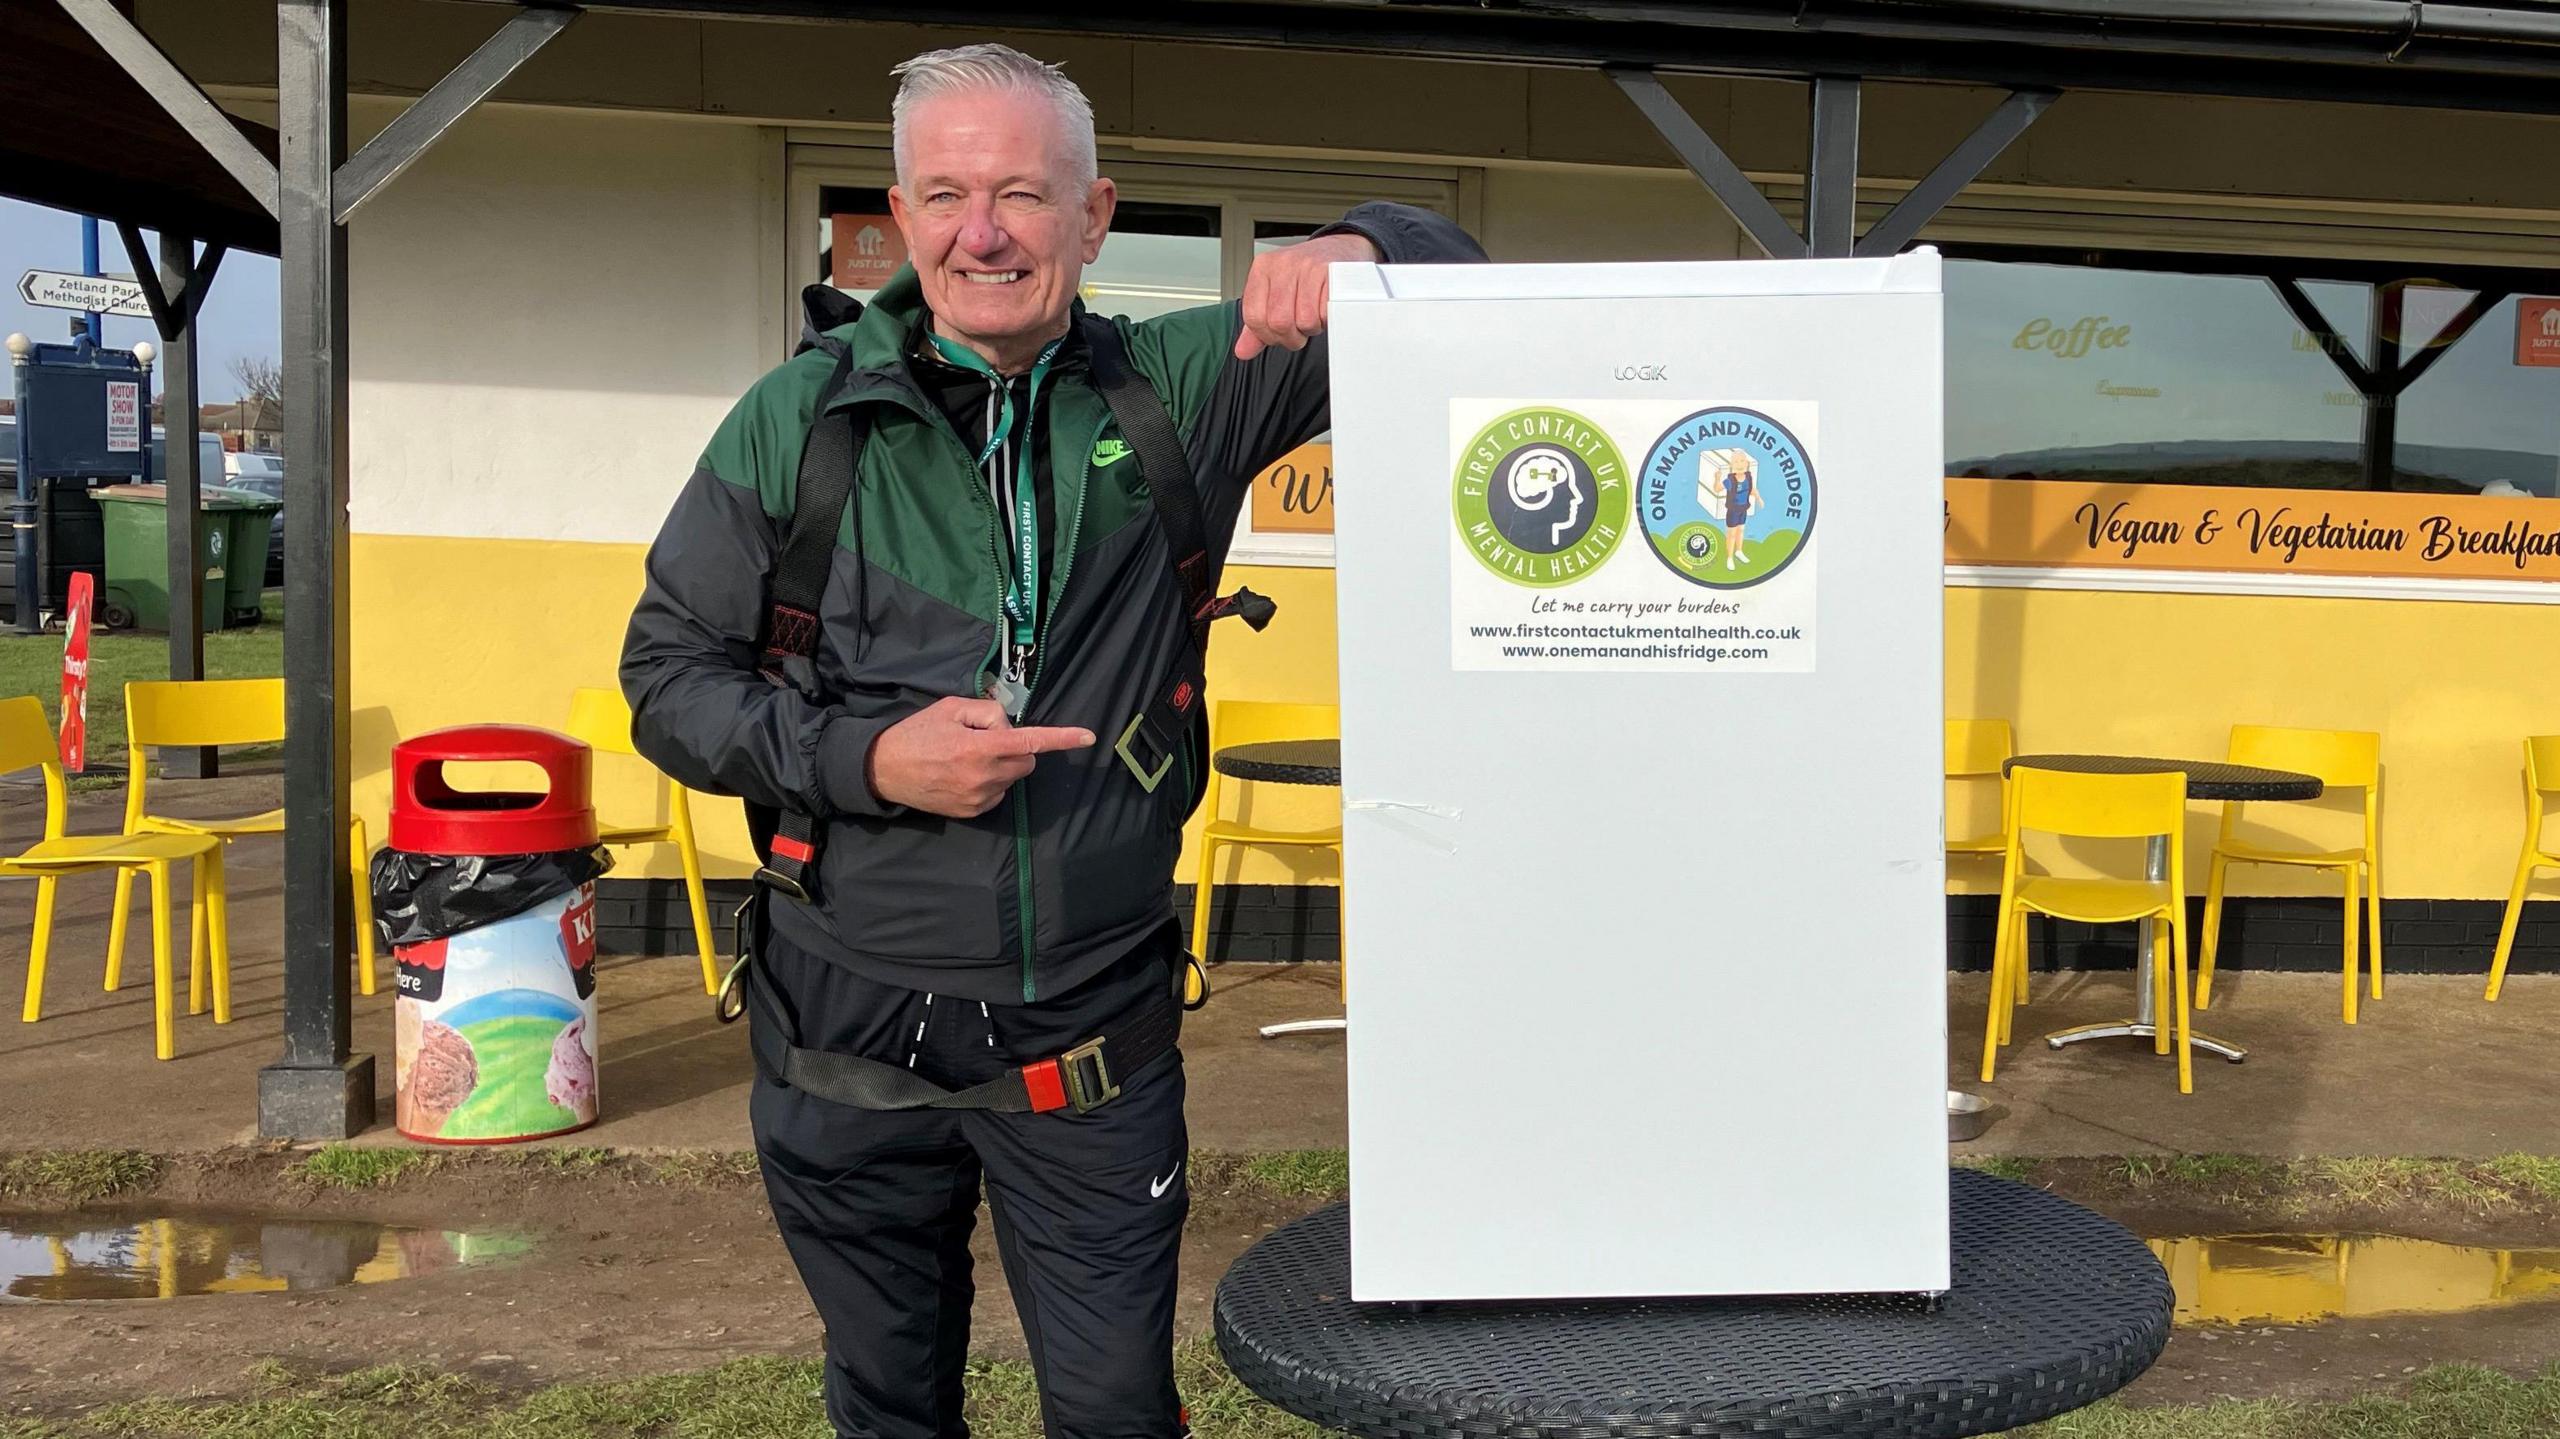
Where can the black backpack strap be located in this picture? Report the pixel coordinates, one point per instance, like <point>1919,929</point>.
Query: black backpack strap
<point>798,583</point>
<point>1147,745</point>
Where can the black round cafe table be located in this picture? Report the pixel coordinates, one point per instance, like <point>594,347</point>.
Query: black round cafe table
<point>1283,761</point>
<point>2206,779</point>
<point>2053,1307</point>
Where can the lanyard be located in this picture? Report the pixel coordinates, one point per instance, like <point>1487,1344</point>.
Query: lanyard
<point>1021,595</point>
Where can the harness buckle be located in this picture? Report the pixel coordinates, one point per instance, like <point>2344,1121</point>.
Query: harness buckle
<point>1147,779</point>
<point>731,1001</point>
<point>1084,1093</point>
<point>781,883</point>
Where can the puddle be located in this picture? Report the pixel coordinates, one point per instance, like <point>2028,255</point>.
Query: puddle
<point>88,1256</point>
<point>2305,1278</point>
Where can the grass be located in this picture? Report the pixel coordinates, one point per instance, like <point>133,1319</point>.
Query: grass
<point>346,1166</point>
<point>2000,1166</point>
<point>704,1169</point>
<point>1317,1174</point>
<point>757,1398</point>
<point>1282,1174</point>
<point>2297,1186</point>
<point>2448,1400</point>
<point>74,1177</point>
<point>32,664</point>
<point>777,1398</point>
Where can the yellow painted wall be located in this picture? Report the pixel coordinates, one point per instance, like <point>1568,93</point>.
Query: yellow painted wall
<point>450,631</point>
<point>467,631</point>
<point>2452,688</point>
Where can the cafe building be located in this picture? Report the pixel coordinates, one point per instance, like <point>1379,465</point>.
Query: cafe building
<point>2252,339</point>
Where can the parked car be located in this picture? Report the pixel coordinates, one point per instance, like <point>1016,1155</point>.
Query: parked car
<point>264,475</point>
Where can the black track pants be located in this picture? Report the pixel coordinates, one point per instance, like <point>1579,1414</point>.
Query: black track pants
<point>877,1208</point>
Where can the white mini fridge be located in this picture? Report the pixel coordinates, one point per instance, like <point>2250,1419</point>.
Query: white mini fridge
<point>1640,576</point>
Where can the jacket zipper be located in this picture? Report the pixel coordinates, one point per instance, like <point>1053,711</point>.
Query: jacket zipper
<point>1071,510</point>
<point>935,419</point>
<point>1074,524</point>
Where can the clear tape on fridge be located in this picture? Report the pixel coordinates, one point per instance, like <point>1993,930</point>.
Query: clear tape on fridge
<point>1394,812</point>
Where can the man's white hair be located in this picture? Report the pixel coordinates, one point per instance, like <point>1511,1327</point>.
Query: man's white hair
<point>995,67</point>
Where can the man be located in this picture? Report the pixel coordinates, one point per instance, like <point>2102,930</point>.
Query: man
<point>1732,488</point>
<point>989,889</point>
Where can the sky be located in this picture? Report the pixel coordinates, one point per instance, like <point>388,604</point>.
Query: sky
<point>240,316</point>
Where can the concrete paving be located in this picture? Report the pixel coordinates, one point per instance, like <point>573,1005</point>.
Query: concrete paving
<point>2432,1070</point>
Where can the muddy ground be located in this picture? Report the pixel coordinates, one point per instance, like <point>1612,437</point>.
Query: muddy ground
<point>640,1273</point>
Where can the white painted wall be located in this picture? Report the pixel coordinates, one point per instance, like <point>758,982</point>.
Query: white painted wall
<point>548,317</point>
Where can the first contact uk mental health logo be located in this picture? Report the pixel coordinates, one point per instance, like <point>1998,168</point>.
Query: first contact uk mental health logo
<point>1541,497</point>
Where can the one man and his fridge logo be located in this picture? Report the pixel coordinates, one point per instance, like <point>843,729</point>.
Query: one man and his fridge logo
<point>1725,499</point>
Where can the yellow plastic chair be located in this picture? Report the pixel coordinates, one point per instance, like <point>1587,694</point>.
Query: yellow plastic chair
<point>2341,760</point>
<point>602,718</point>
<point>1235,722</point>
<point>2094,806</point>
<point>26,742</point>
<point>214,712</point>
<point>1976,750</point>
<point>2541,773</point>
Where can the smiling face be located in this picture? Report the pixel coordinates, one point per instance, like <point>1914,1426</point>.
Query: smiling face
<point>997,222</point>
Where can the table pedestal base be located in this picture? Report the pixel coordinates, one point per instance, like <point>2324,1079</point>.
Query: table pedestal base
<point>2141,1029</point>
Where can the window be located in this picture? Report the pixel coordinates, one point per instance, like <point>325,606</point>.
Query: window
<point>2163,376</point>
<point>1183,235</point>
<point>1161,257</point>
<point>2486,414</point>
<point>2058,371</point>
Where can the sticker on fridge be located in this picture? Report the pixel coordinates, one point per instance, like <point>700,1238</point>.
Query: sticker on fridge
<point>1619,535</point>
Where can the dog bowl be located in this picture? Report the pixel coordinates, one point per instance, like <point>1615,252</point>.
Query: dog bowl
<point>1968,1115</point>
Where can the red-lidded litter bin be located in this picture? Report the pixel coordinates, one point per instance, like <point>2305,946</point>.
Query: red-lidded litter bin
<point>486,899</point>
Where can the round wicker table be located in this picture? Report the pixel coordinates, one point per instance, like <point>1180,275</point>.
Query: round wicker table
<point>2052,1308</point>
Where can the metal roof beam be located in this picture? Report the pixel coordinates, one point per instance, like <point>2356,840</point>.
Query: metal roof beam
<point>401,142</point>
<point>170,88</point>
<point>1831,169</point>
<point>1708,161</point>
<point>1963,165</point>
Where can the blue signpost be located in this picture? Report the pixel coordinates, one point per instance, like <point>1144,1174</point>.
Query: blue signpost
<point>95,323</point>
<point>83,413</point>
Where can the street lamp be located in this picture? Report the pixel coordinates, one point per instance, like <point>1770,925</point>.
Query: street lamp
<point>22,512</point>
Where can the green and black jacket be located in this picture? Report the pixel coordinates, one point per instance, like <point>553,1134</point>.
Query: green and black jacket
<point>1075,868</point>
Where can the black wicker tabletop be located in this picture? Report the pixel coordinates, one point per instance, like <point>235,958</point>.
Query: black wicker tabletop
<point>2053,1308</point>
<point>2206,779</point>
<point>1283,761</point>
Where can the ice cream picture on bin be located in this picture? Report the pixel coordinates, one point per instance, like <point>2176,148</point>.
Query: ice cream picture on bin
<point>487,899</point>
<point>571,1081</point>
<point>502,1015</point>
